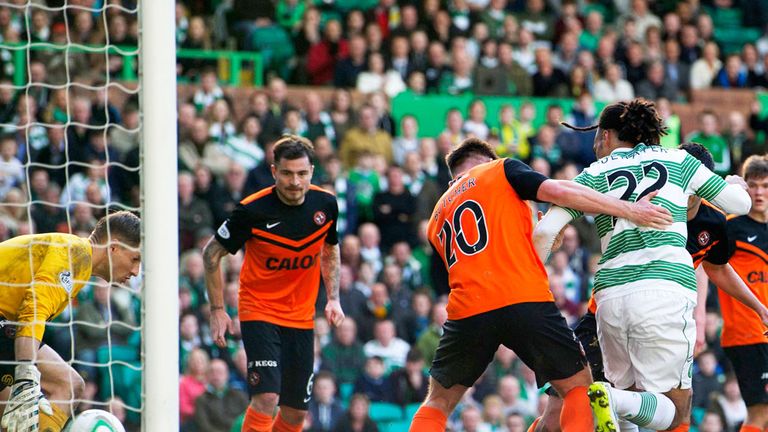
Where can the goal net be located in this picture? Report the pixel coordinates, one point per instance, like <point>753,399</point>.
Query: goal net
<point>70,152</point>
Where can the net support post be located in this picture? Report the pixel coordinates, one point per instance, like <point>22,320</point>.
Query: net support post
<point>160,215</point>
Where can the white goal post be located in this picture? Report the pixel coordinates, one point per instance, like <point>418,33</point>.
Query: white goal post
<point>157,49</point>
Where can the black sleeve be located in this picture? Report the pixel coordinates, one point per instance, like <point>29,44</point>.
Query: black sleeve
<point>523,179</point>
<point>719,254</point>
<point>236,230</point>
<point>332,237</point>
<point>730,238</point>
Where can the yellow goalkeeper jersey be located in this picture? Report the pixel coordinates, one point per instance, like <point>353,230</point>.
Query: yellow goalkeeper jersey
<point>39,274</point>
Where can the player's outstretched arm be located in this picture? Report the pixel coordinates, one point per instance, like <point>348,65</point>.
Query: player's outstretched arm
<point>726,278</point>
<point>547,230</point>
<point>214,282</point>
<point>330,262</point>
<point>578,197</point>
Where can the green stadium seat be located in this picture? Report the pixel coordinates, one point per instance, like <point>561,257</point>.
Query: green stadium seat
<point>395,426</point>
<point>697,415</point>
<point>410,410</point>
<point>382,412</point>
<point>345,391</point>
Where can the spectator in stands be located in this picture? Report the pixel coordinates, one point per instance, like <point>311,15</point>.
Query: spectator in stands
<point>613,87</point>
<point>459,80</point>
<point>707,381</point>
<point>712,422</point>
<point>548,80</point>
<point>408,141</point>
<point>545,147</point>
<point>436,66</point>
<point>519,81</point>
<point>509,390</point>
<point>341,111</point>
<point>98,317</point>
<point>428,341</point>
<point>738,136</point>
<point>324,54</point>
<point>357,418</point>
<point>567,51</point>
<point>377,78</point>
<point>676,71</point>
<point>411,382</point>
<point>209,91</point>
<point>732,74</point>
<point>472,420</point>
<point>344,355</point>
<point>730,404</point>
<point>324,411</point>
<point>365,138</point>
<point>387,346</point>
<point>537,20</point>
<point>200,150</point>
<point>192,383</point>
<point>373,382</point>
<point>419,56</point>
<point>192,276</point>
<point>655,86</point>
<point>221,127</point>
<point>379,307</point>
<point>238,377</point>
<point>193,212</point>
<point>704,70</point>
<point>198,38</point>
<point>393,211</point>
<point>244,148</point>
<point>217,408</point>
<point>349,68</point>
<point>642,17</point>
<point>475,125</point>
<point>709,136</point>
<point>352,300</point>
<point>515,423</point>
<point>11,169</point>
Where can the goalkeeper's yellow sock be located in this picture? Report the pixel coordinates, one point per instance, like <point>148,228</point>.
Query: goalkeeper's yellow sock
<point>55,422</point>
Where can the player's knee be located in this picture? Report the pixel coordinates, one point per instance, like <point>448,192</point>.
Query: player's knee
<point>264,402</point>
<point>77,383</point>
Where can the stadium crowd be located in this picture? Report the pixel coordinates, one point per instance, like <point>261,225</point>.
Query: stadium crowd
<point>385,174</point>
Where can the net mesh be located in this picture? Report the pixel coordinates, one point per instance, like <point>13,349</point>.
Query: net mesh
<point>69,154</point>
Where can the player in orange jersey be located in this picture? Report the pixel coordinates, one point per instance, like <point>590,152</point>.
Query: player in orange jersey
<point>289,234</point>
<point>743,338</point>
<point>481,227</point>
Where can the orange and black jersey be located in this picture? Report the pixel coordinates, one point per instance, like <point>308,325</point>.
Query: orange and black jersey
<point>748,253</point>
<point>481,227</point>
<point>707,236</point>
<point>280,277</point>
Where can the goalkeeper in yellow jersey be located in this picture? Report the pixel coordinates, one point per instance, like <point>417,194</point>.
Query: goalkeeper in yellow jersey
<point>39,275</point>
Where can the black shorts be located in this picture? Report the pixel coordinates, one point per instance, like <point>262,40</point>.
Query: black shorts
<point>7,353</point>
<point>750,363</point>
<point>586,331</point>
<point>536,332</point>
<point>280,360</point>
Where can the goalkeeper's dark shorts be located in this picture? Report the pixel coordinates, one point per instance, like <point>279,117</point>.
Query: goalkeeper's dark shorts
<point>280,360</point>
<point>7,353</point>
<point>536,332</point>
<point>586,331</point>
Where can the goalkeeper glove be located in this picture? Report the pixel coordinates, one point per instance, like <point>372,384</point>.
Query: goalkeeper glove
<point>22,413</point>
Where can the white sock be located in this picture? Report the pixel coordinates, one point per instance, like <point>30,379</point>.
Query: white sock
<point>627,426</point>
<point>645,409</point>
